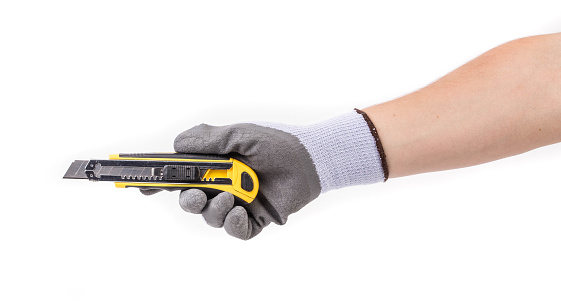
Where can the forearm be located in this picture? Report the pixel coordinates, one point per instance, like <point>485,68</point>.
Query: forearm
<point>503,103</point>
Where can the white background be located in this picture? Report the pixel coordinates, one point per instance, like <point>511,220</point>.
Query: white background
<point>82,80</point>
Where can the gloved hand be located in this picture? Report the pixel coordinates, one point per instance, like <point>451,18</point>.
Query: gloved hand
<point>294,165</point>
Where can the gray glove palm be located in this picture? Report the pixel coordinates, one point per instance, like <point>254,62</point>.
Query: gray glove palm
<point>287,176</point>
<point>294,165</point>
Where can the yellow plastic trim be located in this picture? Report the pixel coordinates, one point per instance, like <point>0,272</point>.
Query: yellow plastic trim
<point>234,173</point>
<point>117,157</point>
<point>221,187</point>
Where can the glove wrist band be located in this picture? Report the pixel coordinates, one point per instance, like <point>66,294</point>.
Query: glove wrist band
<point>379,146</point>
<point>345,150</point>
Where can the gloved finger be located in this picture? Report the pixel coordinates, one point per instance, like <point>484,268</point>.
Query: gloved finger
<point>217,208</point>
<point>192,200</point>
<point>204,139</point>
<point>150,191</point>
<point>240,225</point>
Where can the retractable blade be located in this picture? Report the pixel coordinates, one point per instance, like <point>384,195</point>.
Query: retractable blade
<point>172,171</point>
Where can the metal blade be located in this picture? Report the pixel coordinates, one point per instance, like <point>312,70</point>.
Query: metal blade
<point>77,170</point>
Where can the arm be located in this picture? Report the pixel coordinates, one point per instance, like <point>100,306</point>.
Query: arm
<point>505,102</point>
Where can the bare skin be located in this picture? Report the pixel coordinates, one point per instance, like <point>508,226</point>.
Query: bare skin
<point>503,103</point>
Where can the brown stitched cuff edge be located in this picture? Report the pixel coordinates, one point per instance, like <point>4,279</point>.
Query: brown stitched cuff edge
<point>378,142</point>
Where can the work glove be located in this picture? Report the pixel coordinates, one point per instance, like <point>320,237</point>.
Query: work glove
<point>294,164</point>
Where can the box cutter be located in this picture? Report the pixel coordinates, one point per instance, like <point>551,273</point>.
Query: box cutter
<point>172,171</point>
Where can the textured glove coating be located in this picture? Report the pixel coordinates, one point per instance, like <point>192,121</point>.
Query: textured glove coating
<point>287,176</point>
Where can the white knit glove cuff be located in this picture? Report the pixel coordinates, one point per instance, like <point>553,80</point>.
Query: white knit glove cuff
<point>345,150</point>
